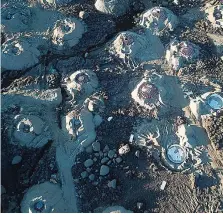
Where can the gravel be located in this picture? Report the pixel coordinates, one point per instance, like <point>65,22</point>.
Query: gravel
<point>84,174</point>
<point>88,163</point>
<point>118,159</point>
<point>96,146</point>
<point>112,184</point>
<point>92,177</point>
<point>104,160</point>
<point>104,170</point>
<point>111,154</point>
<point>16,160</point>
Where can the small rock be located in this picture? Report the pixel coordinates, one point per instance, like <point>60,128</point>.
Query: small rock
<point>95,159</point>
<point>89,149</point>
<point>96,146</point>
<point>104,160</point>
<point>83,15</point>
<point>54,176</point>
<point>76,181</point>
<point>137,153</point>
<point>111,154</point>
<point>124,149</point>
<point>88,163</point>
<point>88,169</point>
<point>163,185</point>
<point>84,174</point>
<point>176,2</point>
<point>105,154</point>
<point>112,184</point>
<point>95,183</point>
<point>110,118</point>
<point>104,170</point>
<point>115,156</point>
<point>106,149</point>
<point>92,177</point>
<point>131,138</point>
<point>26,181</point>
<point>126,167</point>
<point>86,54</point>
<point>101,154</point>
<point>109,162</point>
<point>139,205</point>
<point>118,159</point>
<point>51,166</point>
<point>3,190</point>
<point>17,159</point>
<point>97,154</point>
<point>53,181</point>
<point>165,3</point>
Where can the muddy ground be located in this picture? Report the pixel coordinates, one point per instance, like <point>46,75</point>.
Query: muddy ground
<point>138,179</point>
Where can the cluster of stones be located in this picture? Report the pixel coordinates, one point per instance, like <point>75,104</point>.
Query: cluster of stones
<point>30,129</point>
<point>29,30</point>
<point>98,167</point>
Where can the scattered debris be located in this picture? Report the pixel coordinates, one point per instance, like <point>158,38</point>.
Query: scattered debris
<point>110,118</point>
<point>163,185</point>
<point>137,153</point>
<point>131,138</point>
<point>124,150</point>
<point>139,205</point>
